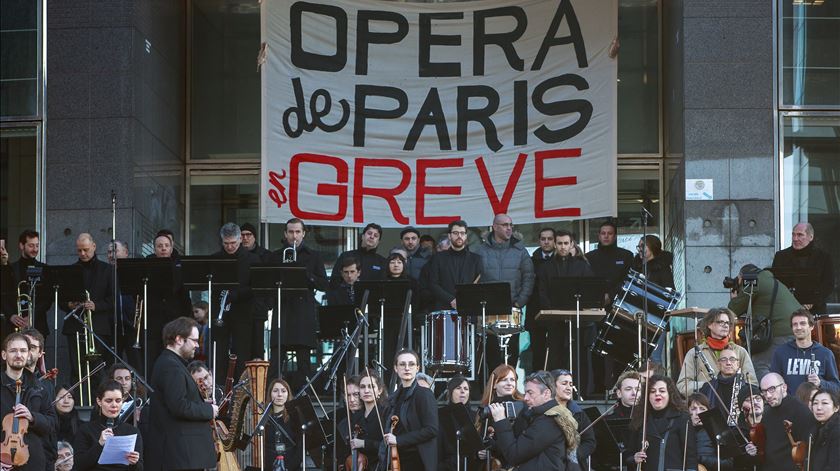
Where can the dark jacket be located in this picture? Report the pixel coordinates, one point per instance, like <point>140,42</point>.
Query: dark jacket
<point>825,454</point>
<point>240,298</point>
<point>291,449</point>
<point>416,261</point>
<point>448,269</point>
<point>418,426</point>
<point>43,295</point>
<point>813,289</point>
<point>659,269</point>
<point>179,424</point>
<point>299,315</point>
<point>373,265</point>
<point>777,446</point>
<point>676,425</point>
<point>587,439</point>
<point>538,259</point>
<point>371,433</point>
<point>612,263</point>
<point>508,262</point>
<point>707,452</point>
<point>534,443</point>
<point>559,267</point>
<point>86,447</point>
<point>794,364</point>
<point>782,306</point>
<point>448,440</point>
<point>723,386</point>
<point>33,396</point>
<point>98,280</point>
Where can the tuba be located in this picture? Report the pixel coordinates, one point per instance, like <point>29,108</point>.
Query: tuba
<point>256,375</point>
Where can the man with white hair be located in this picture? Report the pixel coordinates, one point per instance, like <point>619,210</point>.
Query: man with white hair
<point>780,408</point>
<point>805,269</point>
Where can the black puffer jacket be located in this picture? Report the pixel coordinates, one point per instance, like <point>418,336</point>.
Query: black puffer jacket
<point>535,442</point>
<point>659,423</point>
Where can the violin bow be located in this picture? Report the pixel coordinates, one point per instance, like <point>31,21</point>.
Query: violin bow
<point>347,402</point>
<point>375,402</point>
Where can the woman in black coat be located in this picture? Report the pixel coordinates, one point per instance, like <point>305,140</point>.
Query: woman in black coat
<point>501,387</point>
<point>707,453</point>
<point>659,269</point>
<point>416,433</point>
<point>90,440</point>
<point>666,420</point>
<point>281,442</point>
<point>370,418</point>
<point>825,444</point>
<point>458,402</point>
<point>68,416</point>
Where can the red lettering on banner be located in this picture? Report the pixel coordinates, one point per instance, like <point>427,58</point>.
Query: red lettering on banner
<point>422,190</point>
<point>388,194</point>
<point>542,183</point>
<point>328,189</point>
<point>278,193</point>
<point>500,207</point>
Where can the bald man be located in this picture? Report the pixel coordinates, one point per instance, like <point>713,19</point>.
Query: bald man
<point>98,280</point>
<point>781,407</point>
<point>805,269</point>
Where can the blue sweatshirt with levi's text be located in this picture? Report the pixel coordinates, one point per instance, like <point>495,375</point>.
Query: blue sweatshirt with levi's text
<point>794,364</point>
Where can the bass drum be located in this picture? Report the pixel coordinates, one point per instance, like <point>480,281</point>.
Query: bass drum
<point>618,340</point>
<point>447,342</point>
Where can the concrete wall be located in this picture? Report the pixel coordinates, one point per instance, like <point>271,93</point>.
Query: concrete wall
<point>727,83</point>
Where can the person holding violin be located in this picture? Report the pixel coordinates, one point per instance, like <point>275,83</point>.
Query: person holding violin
<point>415,432</point>
<point>281,442</point>
<point>352,403</point>
<point>92,435</point>
<point>661,422</point>
<point>752,410</point>
<point>825,442</point>
<point>458,397</point>
<point>368,437</point>
<point>28,416</point>
<point>779,444</point>
<point>501,388</point>
<point>36,353</point>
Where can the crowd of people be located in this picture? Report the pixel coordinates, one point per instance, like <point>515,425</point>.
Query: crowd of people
<point>765,399</point>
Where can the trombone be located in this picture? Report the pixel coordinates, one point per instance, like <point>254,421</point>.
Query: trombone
<point>287,258</point>
<point>24,305</point>
<point>89,342</point>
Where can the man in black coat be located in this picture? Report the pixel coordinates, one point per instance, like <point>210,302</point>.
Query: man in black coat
<point>538,330</point>
<point>179,432</point>
<point>452,267</point>
<point>298,312</point>
<point>374,266</point>
<point>804,258</point>
<point>35,405</point>
<point>98,280</point>
<point>29,244</point>
<point>241,333</point>
<point>536,441</point>
<point>780,407</point>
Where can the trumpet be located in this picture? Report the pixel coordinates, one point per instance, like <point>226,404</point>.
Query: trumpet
<point>223,308</point>
<point>293,257</point>
<point>90,343</point>
<point>138,317</point>
<point>24,304</point>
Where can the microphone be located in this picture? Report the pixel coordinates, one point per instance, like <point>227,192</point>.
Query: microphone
<point>109,422</point>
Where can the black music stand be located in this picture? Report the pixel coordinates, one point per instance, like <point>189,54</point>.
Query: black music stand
<point>68,280</point>
<point>469,441</point>
<point>474,300</point>
<point>381,293</point>
<point>145,276</point>
<point>613,432</point>
<point>576,292</point>
<point>302,412</point>
<point>268,278</point>
<point>726,440</point>
<point>199,272</point>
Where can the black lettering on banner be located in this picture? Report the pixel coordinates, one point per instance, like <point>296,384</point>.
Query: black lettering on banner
<point>363,113</point>
<point>556,108</point>
<point>302,124</point>
<point>365,37</point>
<point>430,113</point>
<point>311,60</point>
<point>520,113</point>
<point>481,116</point>
<point>564,10</point>
<point>426,67</point>
<point>503,40</point>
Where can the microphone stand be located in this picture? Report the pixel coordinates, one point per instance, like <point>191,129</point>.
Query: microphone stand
<point>117,314</point>
<point>645,215</point>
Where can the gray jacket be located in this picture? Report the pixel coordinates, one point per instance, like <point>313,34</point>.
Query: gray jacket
<point>508,262</point>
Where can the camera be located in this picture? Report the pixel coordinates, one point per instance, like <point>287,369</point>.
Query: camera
<point>730,283</point>
<point>510,411</point>
<point>747,278</point>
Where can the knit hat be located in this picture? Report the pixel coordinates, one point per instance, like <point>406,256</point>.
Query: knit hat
<point>248,227</point>
<point>409,229</point>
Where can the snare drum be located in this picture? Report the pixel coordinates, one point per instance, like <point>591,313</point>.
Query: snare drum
<point>448,342</point>
<point>505,324</point>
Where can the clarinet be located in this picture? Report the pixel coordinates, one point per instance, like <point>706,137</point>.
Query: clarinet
<point>734,407</point>
<point>223,308</point>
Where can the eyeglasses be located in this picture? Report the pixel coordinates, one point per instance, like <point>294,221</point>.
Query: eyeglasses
<point>723,323</point>
<point>541,377</point>
<point>771,389</point>
<point>459,233</point>
<point>194,340</point>
<point>728,359</point>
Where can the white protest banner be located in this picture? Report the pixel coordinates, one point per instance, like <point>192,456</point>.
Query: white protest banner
<point>424,113</point>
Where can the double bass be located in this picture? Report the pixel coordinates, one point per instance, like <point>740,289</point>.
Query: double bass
<point>14,451</point>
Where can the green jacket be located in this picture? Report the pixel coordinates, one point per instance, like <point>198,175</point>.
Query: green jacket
<point>783,306</point>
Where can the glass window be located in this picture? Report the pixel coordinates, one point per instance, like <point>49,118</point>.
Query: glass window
<point>637,189</point>
<point>216,200</point>
<point>18,175</point>
<point>810,61</point>
<point>638,77</point>
<point>19,58</point>
<point>225,85</point>
<point>811,179</point>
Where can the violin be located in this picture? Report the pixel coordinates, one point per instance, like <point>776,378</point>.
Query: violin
<point>50,374</point>
<point>798,449</point>
<point>14,451</point>
<point>395,456</point>
<point>757,436</point>
<point>356,460</point>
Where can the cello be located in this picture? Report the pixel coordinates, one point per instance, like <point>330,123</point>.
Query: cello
<point>14,451</point>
